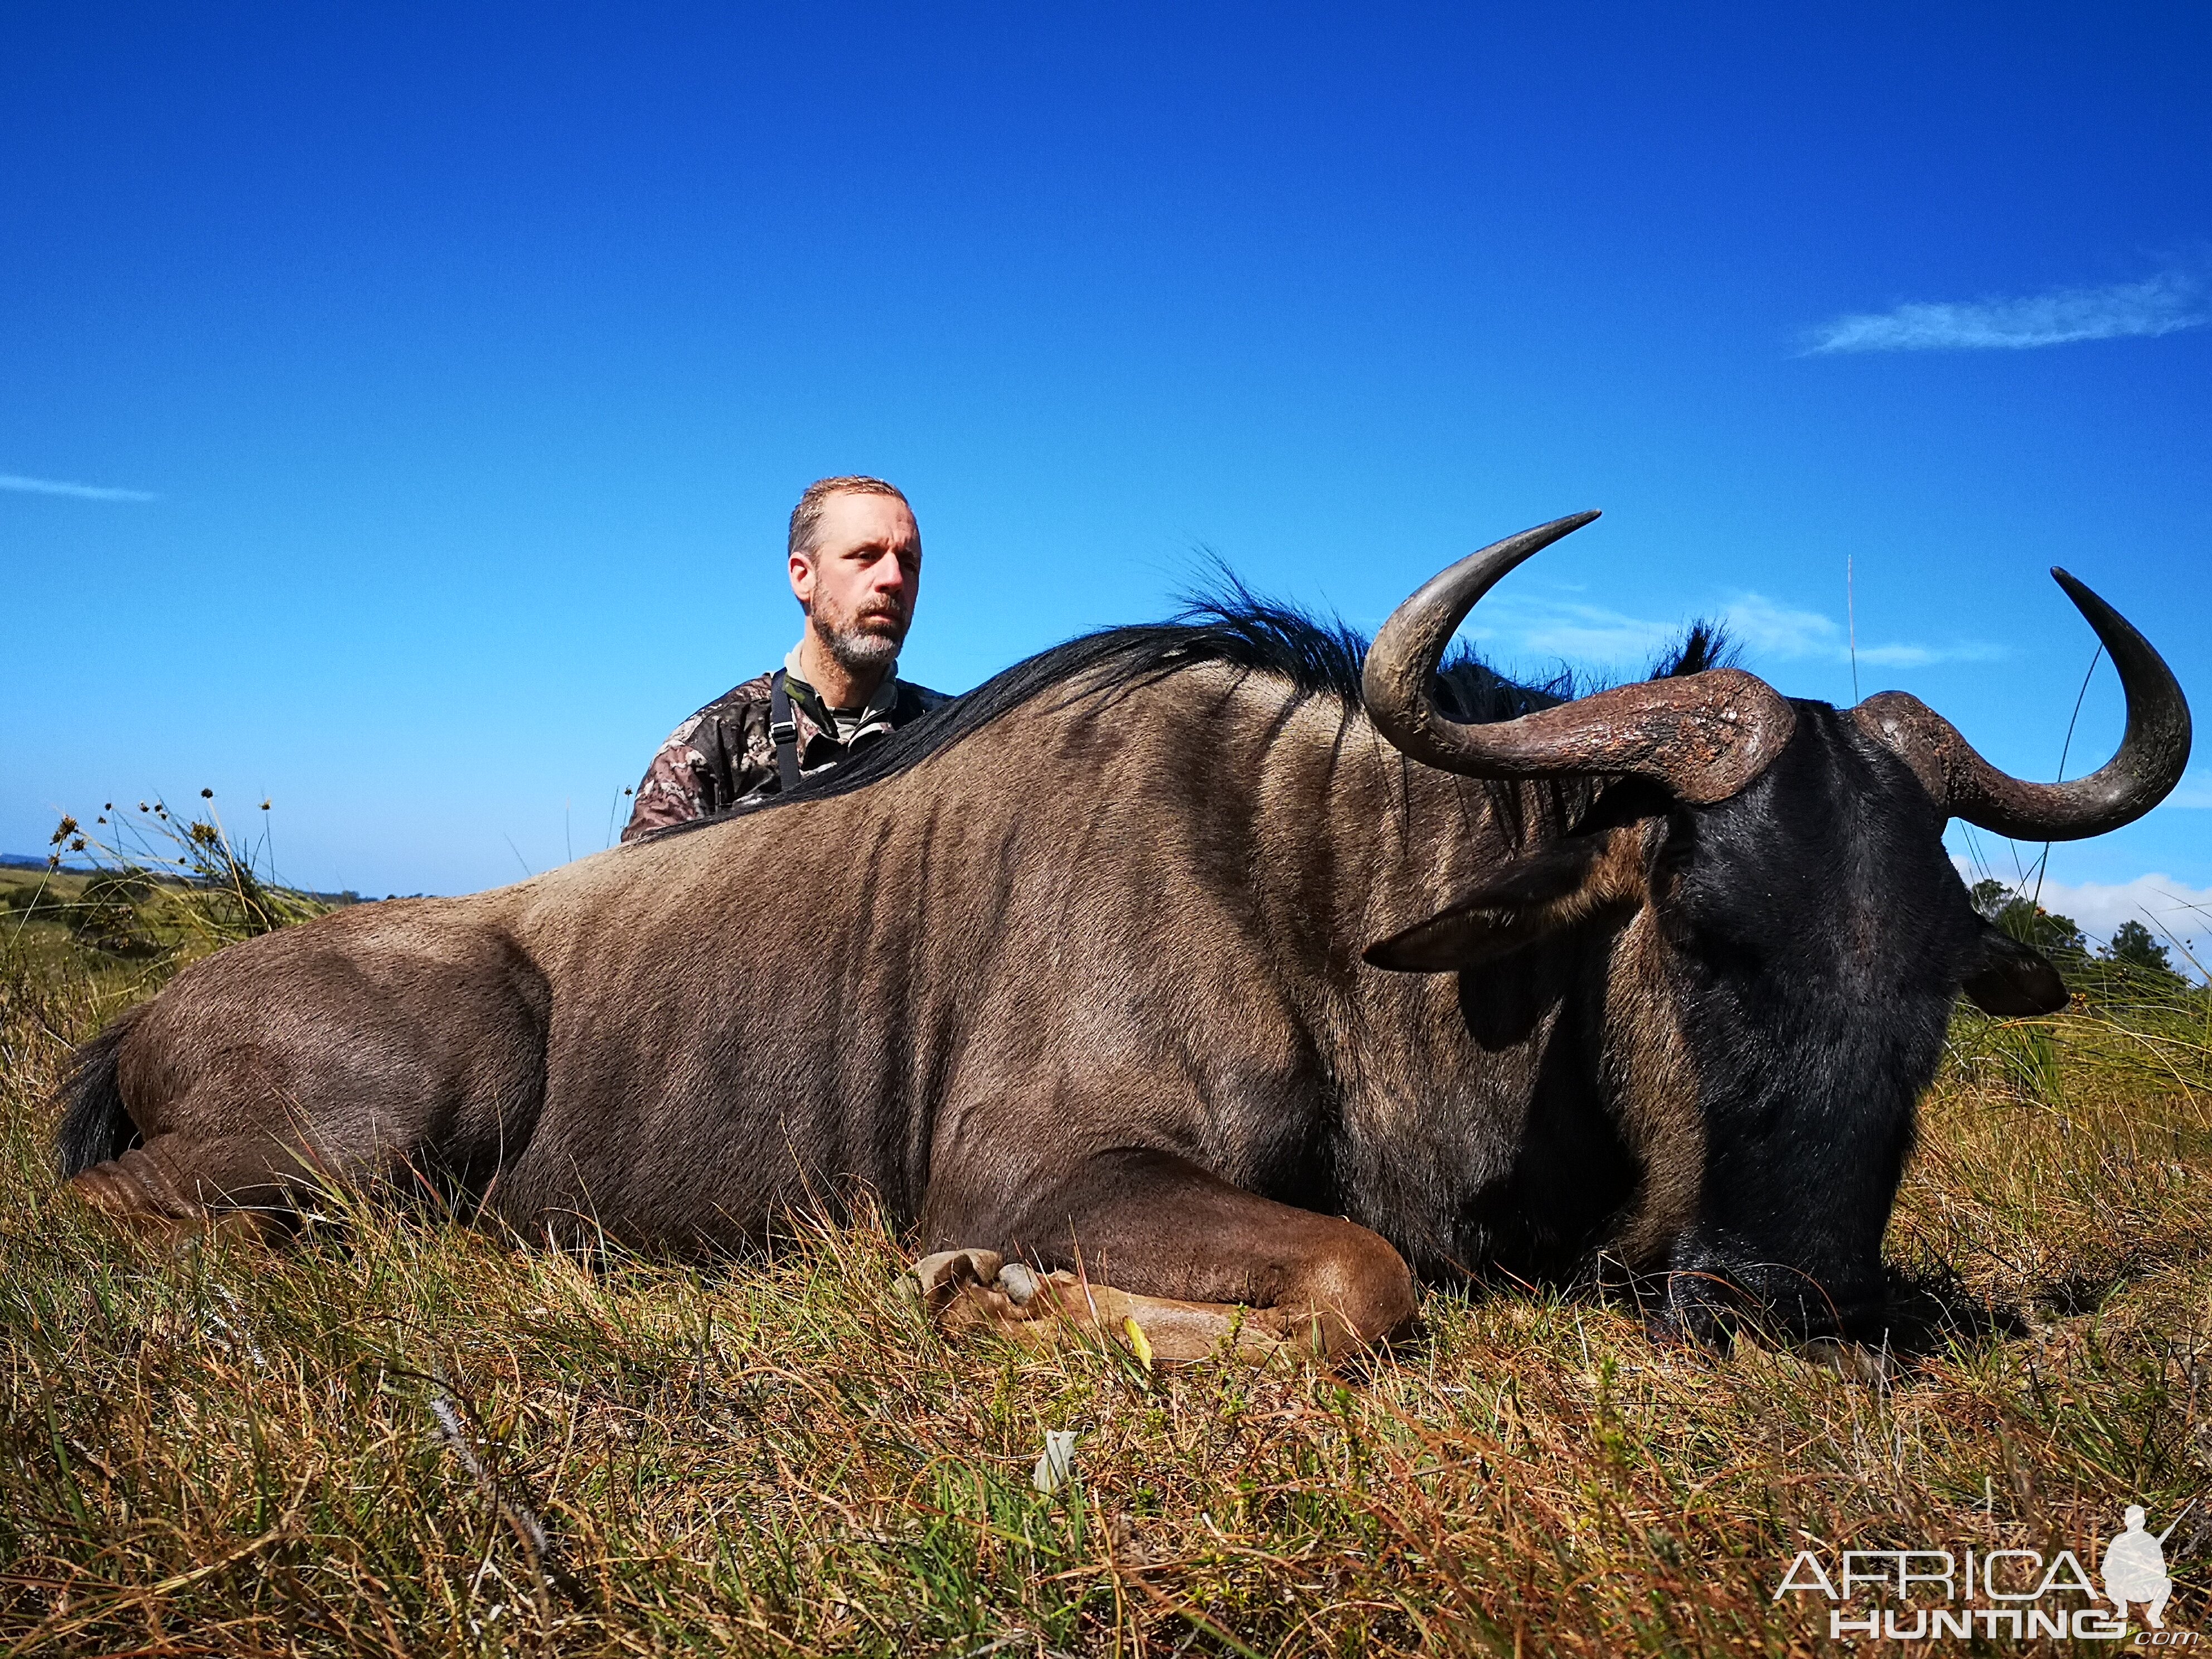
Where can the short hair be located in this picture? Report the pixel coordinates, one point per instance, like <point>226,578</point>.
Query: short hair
<point>806,517</point>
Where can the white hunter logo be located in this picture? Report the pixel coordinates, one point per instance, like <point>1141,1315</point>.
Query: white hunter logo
<point>2135,1568</point>
<point>2014,1593</point>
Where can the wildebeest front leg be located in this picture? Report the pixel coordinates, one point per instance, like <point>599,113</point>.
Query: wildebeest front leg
<point>1158,1227</point>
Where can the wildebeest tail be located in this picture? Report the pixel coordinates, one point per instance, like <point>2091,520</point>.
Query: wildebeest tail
<point>95,1127</point>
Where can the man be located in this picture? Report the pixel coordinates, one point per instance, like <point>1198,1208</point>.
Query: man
<point>854,556</point>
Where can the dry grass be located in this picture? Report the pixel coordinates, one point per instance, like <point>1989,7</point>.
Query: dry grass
<point>402,1437</point>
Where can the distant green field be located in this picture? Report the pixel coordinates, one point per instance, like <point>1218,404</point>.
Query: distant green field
<point>20,887</point>
<point>149,915</point>
<point>403,1438</point>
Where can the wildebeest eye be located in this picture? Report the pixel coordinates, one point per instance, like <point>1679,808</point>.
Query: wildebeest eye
<point>2013,980</point>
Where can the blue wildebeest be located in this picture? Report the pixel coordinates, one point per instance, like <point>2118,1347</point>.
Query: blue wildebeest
<point>1227,961</point>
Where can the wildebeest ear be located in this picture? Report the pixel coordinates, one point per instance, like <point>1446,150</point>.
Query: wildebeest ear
<point>2014,980</point>
<point>1532,897</point>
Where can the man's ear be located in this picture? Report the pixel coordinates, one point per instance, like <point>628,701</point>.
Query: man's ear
<point>2013,979</point>
<point>1526,900</point>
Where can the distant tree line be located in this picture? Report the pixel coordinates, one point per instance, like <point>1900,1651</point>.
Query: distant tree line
<point>2132,945</point>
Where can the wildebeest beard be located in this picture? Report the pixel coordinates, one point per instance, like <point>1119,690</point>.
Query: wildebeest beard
<point>1183,953</point>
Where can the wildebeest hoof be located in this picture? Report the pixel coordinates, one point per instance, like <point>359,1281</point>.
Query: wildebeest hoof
<point>969,1291</point>
<point>942,1277</point>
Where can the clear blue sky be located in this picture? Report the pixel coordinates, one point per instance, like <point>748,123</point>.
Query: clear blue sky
<point>462,372</point>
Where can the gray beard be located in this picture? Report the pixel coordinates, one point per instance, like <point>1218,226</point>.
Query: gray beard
<point>855,650</point>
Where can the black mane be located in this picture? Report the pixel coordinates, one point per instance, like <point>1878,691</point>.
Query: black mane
<point>1321,659</point>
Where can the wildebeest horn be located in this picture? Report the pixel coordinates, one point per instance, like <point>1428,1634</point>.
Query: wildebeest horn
<point>1705,735</point>
<point>2153,754</point>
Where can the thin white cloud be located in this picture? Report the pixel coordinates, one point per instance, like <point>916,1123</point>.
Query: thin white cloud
<point>1915,656</point>
<point>1533,625</point>
<point>2165,304</point>
<point>1775,629</point>
<point>75,491</point>
<point>1567,628</point>
<point>2195,789</point>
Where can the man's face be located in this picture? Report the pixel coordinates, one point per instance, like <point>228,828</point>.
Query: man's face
<point>858,583</point>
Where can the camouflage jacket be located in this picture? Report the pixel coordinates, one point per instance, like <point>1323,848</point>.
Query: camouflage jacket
<point>723,753</point>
